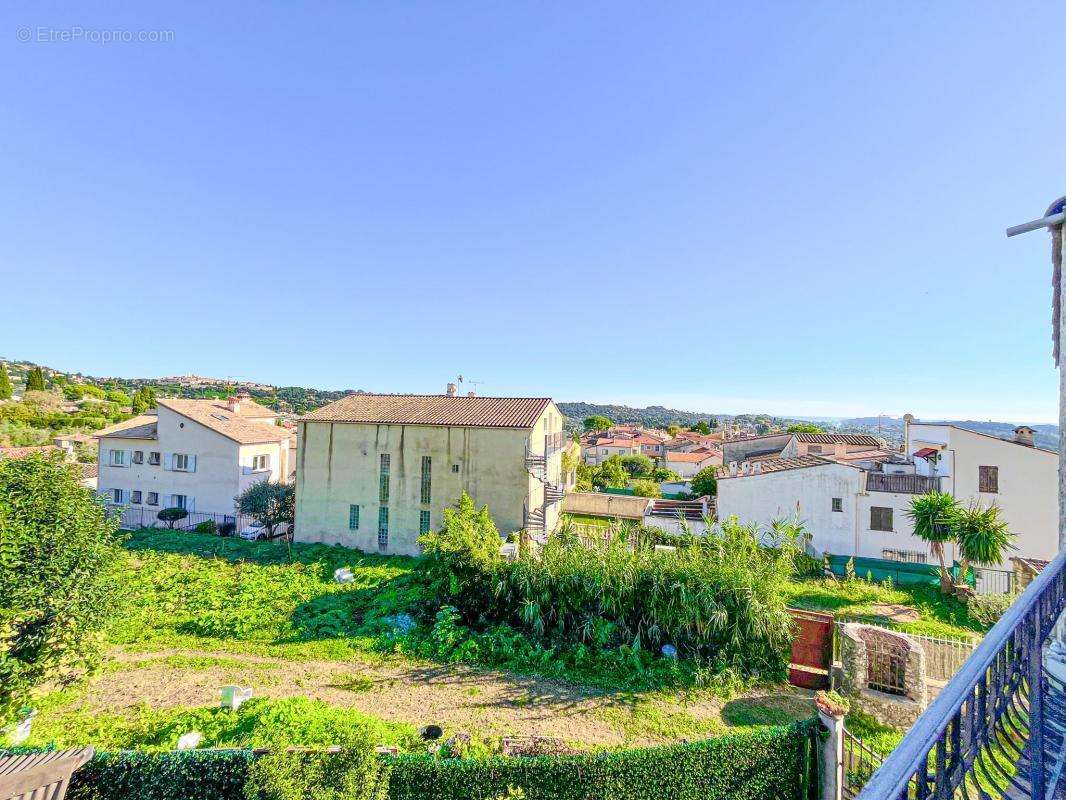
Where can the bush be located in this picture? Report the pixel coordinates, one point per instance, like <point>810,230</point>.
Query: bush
<point>646,489</point>
<point>227,529</point>
<point>768,764</point>
<point>171,515</point>
<point>705,482</point>
<point>354,773</point>
<point>58,559</point>
<point>208,526</point>
<point>988,608</point>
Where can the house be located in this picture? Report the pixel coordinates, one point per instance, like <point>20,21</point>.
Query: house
<point>192,454</point>
<point>1017,476</point>
<point>374,471</point>
<point>785,445</point>
<point>599,450</point>
<point>687,464</point>
<point>60,444</point>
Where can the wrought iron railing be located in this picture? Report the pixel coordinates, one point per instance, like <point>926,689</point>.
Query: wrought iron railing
<point>986,735</point>
<point>554,442</point>
<point>860,762</point>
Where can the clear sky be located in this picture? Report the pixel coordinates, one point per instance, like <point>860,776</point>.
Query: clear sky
<point>782,207</point>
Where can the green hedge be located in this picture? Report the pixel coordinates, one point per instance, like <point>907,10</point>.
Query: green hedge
<point>766,764</point>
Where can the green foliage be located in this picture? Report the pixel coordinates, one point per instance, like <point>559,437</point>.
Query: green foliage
<point>705,482</point>
<point>804,427</point>
<point>611,474</point>
<point>119,397</point>
<point>58,556</point>
<point>460,561</point>
<point>90,390</point>
<point>208,526</point>
<point>702,427</point>
<point>5,384</point>
<point>143,400</point>
<point>174,775</point>
<point>638,466</point>
<point>597,422</point>
<point>354,773</point>
<point>171,515</point>
<point>988,608</point>
<point>35,381</point>
<point>646,489</point>
<point>270,504</point>
<point>982,536</point>
<point>720,602</point>
<point>584,478</point>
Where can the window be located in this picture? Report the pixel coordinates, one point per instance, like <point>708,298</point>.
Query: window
<point>260,462</point>
<point>178,501</point>
<point>152,499</point>
<point>138,456</point>
<point>906,556</point>
<point>988,479</point>
<point>383,485</point>
<point>423,522</point>
<point>118,496</point>
<point>181,462</point>
<point>153,459</point>
<point>427,485</point>
<point>353,518</point>
<point>603,451</point>
<point>135,498</point>
<point>383,528</point>
<point>838,503</point>
<point>455,468</point>
<point>880,518</point>
<point>118,458</point>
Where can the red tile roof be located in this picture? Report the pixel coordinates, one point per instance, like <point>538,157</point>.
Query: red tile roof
<point>415,409</point>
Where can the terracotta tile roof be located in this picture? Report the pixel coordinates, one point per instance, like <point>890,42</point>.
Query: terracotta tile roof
<point>433,409</point>
<point>632,444</point>
<point>779,465</point>
<point>861,439</point>
<point>22,452</point>
<point>865,455</point>
<point>243,427</point>
<point>140,427</point>
<point>89,471</point>
<point>693,457</point>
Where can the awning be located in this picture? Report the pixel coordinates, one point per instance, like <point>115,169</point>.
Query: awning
<point>925,452</point>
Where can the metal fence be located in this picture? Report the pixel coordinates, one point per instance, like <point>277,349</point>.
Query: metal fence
<point>860,762</point>
<point>131,518</point>
<point>993,581</point>
<point>943,657</point>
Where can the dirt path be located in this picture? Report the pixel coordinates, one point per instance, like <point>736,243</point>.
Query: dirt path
<point>456,697</point>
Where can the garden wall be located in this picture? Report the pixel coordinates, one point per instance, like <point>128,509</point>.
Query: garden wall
<point>767,764</point>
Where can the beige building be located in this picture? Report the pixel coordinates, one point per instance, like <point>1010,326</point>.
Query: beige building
<point>376,471</point>
<point>1017,476</point>
<point>192,454</point>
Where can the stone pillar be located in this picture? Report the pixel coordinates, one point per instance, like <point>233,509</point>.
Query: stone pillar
<point>832,756</point>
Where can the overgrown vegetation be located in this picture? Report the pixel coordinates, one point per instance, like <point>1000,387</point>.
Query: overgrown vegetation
<point>58,559</point>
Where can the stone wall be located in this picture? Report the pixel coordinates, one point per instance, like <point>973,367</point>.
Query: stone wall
<point>856,643</point>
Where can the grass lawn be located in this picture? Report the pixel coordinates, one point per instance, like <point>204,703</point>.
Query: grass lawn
<point>325,658</point>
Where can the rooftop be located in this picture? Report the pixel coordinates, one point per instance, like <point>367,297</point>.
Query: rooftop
<point>780,465</point>
<point>433,409</point>
<point>248,425</point>
<point>139,427</point>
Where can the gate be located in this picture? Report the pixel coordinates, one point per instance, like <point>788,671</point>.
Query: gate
<point>812,649</point>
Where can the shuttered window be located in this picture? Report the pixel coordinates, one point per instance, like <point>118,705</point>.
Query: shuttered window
<point>427,480</point>
<point>880,518</point>
<point>988,479</point>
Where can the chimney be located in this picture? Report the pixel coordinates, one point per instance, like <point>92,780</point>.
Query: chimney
<point>1023,435</point>
<point>471,394</point>
<point>234,404</point>
<point>452,390</point>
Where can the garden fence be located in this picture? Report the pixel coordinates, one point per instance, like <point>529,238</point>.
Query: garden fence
<point>860,762</point>
<point>943,657</point>
<point>135,518</point>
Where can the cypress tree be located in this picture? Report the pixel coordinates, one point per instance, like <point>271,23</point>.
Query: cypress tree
<point>35,380</point>
<point>5,384</point>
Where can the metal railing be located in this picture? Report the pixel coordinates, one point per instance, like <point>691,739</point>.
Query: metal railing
<point>986,734</point>
<point>993,581</point>
<point>133,518</point>
<point>554,442</point>
<point>860,762</point>
<point>943,657</point>
<point>901,484</point>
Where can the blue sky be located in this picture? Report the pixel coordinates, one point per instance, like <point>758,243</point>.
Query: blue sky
<point>782,207</point>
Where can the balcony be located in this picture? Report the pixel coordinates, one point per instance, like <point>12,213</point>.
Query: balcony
<point>997,729</point>
<point>554,442</point>
<point>901,484</point>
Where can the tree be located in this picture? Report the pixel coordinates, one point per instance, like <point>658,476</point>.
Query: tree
<point>933,515</point>
<point>5,384</point>
<point>983,538</point>
<point>35,380</point>
<point>611,474</point>
<point>269,504</point>
<point>638,465</point>
<point>700,427</point>
<point>58,560</point>
<point>804,427</point>
<point>705,482</point>
<point>143,399</point>
<point>89,390</point>
<point>597,422</point>
<point>673,430</point>
<point>584,478</point>
<point>644,488</point>
<point>119,397</point>
<point>171,515</point>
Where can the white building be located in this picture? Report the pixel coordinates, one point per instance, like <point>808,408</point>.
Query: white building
<point>977,468</point>
<point>192,454</point>
<point>688,464</point>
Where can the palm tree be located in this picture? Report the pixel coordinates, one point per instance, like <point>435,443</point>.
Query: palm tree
<point>933,516</point>
<point>983,537</point>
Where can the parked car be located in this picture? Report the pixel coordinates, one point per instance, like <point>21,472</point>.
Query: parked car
<point>254,532</point>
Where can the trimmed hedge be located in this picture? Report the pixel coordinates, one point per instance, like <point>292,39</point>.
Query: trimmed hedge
<point>766,764</point>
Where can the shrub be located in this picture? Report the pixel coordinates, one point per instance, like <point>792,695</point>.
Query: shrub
<point>58,556</point>
<point>705,482</point>
<point>171,515</point>
<point>988,608</point>
<point>227,529</point>
<point>646,489</point>
<point>354,773</point>
<point>208,526</point>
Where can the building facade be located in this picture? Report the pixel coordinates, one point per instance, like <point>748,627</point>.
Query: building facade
<point>192,454</point>
<point>376,471</point>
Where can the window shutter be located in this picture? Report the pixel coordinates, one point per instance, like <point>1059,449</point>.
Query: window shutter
<point>168,501</point>
<point>192,463</point>
<point>190,504</point>
<point>168,462</point>
<point>246,470</point>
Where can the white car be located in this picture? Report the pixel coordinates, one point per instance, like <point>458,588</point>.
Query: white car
<point>254,532</point>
